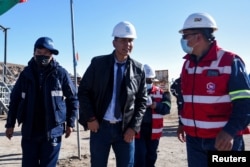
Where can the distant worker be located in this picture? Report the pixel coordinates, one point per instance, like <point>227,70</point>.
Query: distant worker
<point>44,102</point>
<point>147,140</point>
<point>112,98</point>
<point>216,93</point>
<point>175,89</point>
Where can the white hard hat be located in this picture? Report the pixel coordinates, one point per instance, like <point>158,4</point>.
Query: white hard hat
<point>199,20</point>
<point>150,73</point>
<point>124,29</point>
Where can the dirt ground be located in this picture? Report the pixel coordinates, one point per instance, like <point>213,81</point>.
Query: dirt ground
<point>171,152</point>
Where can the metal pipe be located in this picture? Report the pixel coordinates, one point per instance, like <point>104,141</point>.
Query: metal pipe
<point>5,50</point>
<point>75,74</point>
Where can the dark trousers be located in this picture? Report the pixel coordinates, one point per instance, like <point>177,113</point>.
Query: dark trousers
<point>110,135</point>
<point>40,152</point>
<point>145,148</point>
<point>197,149</point>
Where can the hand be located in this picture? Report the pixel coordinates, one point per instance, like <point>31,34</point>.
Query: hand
<point>129,135</point>
<point>181,134</point>
<point>9,133</point>
<point>224,141</point>
<point>68,131</point>
<point>93,126</point>
<point>153,106</point>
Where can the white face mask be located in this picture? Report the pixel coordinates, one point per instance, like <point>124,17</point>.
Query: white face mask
<point>185,47</point>
<point>149,86</point>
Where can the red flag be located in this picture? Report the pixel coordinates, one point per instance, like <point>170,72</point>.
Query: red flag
<point>21,1</point>
<point>76,59</point>
<point>77,56</point>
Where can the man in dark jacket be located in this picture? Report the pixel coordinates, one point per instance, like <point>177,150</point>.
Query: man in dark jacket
<point>112,114</point>
<point>44,101</point>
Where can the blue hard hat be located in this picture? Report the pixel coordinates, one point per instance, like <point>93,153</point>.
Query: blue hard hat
<point>46,42</point>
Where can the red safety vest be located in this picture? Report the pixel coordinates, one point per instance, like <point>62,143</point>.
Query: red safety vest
<point>207,104</point>
<point>157,119</point>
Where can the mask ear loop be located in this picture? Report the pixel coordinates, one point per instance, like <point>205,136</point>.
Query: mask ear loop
<point>195,43</point>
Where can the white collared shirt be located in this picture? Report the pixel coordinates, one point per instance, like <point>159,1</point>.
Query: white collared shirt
<point>109,115</point>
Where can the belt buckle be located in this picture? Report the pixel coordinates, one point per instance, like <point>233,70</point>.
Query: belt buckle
<point>112,122</point>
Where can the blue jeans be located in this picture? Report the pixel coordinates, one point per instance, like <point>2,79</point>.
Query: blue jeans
<point>197,149</point>
<point>146,148</point>
<point>40,152</point>
<point>110,135</point>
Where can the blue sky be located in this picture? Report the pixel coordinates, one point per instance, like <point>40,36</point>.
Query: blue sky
<point>157,23</point>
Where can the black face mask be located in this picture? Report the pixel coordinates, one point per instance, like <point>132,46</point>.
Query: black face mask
<point>42,60</point>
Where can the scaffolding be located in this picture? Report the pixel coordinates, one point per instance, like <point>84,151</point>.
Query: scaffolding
<point>9,74</point>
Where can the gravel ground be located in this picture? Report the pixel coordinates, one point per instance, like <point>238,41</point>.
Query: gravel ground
<point>171,152</point>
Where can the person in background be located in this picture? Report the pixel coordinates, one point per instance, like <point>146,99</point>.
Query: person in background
<point>175,89</point>
<point>147,140</point>
<point>112,96</point>
<point>44,101</point>
<point>216,93</point>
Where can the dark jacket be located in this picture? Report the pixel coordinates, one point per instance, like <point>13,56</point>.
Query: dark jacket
<point>60,100</point>
<point>95,91</point>
<point>175,89</point>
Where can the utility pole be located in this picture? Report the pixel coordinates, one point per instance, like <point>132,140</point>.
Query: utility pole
<point>5,50</point>
<point>75,74</point>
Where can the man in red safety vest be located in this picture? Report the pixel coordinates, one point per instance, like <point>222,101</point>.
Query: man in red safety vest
<point>216,93</point>
<point>147,140</point>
